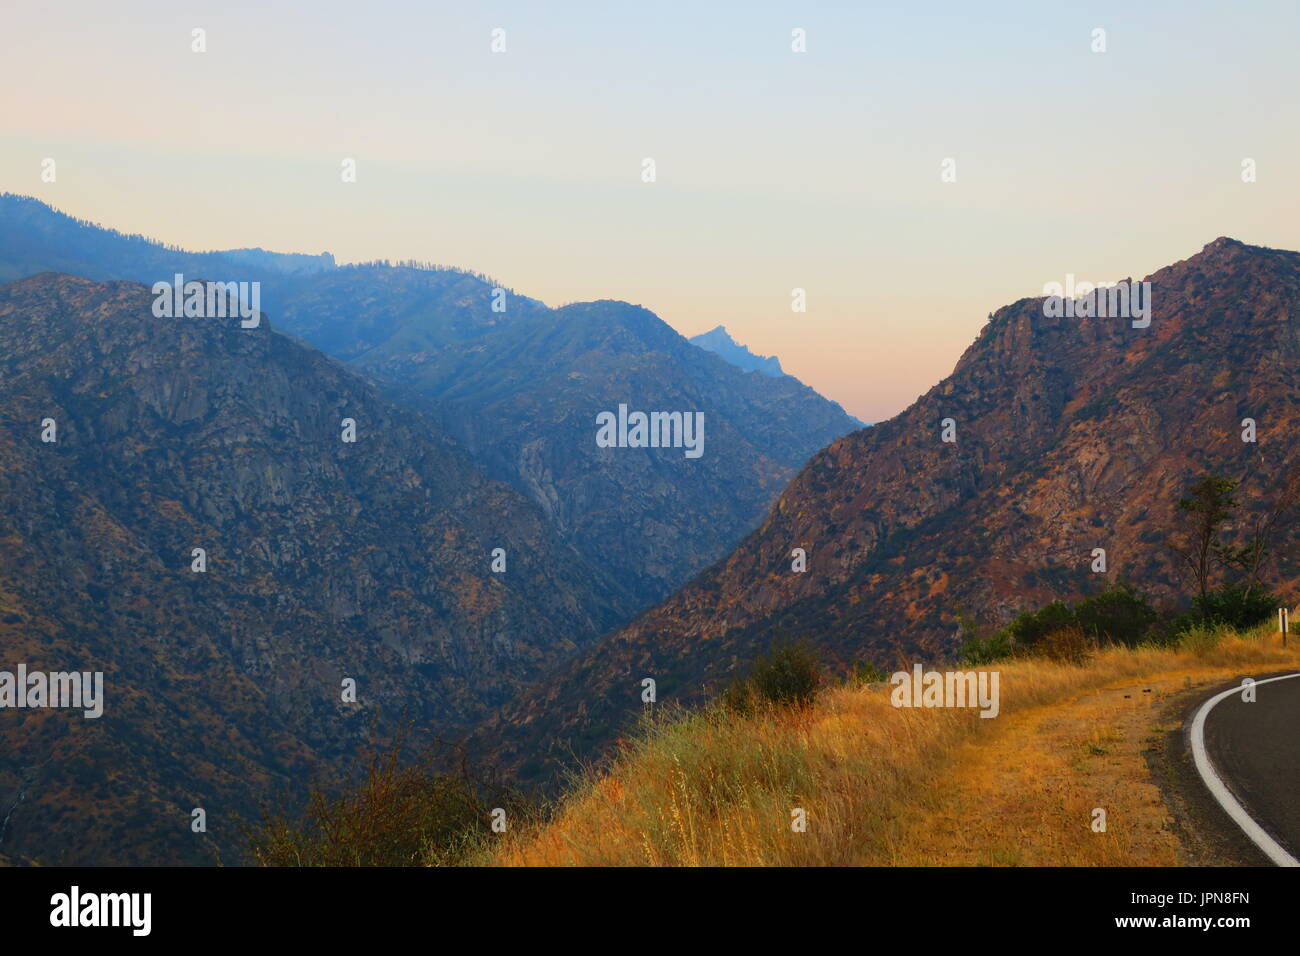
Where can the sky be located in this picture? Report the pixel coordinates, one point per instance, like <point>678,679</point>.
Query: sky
<point>775,170</point>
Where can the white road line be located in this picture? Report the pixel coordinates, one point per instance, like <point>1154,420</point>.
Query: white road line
<point>1214,782</point>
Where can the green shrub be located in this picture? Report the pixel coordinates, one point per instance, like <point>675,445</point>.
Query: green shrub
<point>1032,626</point>
<point>397,816</point>
<point>1202,637</point>
<point>788,676</point>
<point>1119,615</point>
<point>1232,606</point>
<point>978,652</point>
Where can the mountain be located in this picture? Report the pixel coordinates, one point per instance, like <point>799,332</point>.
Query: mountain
<point>1071,434</point>
<point>519,385</point>
<point>290,263</point>
<point>35,238</point>
<point>325,560</point>
<point>521,389</point>
<point>720,343</point>
<point>523,393</point>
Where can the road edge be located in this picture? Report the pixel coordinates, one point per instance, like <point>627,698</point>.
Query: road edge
<point>1218,789</point>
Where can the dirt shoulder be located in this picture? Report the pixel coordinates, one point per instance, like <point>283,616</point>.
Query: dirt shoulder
<point>1033,793</point>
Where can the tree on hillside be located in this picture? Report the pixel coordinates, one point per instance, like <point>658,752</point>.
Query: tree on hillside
<point>1206,517</point>
<point>1204,513</point>
<point>1252,558</point>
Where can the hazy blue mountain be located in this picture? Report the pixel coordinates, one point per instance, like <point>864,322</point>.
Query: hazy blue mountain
<point>35,238</point>
<point>720,343</point>
<point>519,384</point>
<point>290,263</point>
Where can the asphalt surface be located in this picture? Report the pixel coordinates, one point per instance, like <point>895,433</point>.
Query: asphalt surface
<point>1255,747</point>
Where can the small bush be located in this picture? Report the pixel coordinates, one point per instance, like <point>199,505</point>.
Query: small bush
<point>1069,645</point>
<point>978,652</point>
<point>1233,607</point>
<point>1032,626</point>
<point>789,676</point>
<point>1118,615</point>
<point>1200,637</point>
<point>397,816</point>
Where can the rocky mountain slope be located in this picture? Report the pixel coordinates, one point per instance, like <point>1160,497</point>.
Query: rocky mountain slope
<point>519,385</point>
<point>524,395</point>
<point>325,560</point>
<point>1071,434</point>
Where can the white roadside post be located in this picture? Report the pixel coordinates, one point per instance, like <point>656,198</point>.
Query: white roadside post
<point>1283,622</point>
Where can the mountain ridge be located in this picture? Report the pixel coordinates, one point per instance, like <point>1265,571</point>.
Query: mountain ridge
<point>519,385</point>
<point>323,559</point>
<point>1059,448</point>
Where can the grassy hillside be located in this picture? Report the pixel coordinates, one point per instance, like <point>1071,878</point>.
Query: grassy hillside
<point>899,786</point>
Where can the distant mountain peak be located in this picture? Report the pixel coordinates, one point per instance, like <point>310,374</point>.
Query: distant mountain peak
<point>719,341</point>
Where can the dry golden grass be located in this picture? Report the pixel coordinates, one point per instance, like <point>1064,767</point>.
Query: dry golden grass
<point>896,786</point>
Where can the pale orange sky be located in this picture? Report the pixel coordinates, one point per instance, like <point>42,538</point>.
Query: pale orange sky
<point>775,170</point>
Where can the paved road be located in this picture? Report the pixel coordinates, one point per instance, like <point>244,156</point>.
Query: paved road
<point>1255,750</point>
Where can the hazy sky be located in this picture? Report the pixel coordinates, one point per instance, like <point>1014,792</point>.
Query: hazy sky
<point>775,170</point>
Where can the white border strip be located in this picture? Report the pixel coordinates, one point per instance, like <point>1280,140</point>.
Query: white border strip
<point>1216,786</point>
